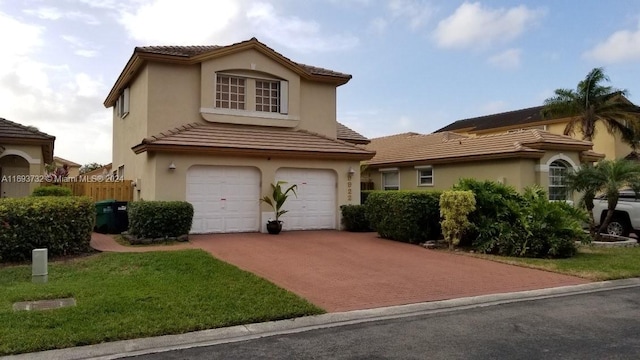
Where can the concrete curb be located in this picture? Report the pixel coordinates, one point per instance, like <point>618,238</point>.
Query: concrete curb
<point>123,348</point>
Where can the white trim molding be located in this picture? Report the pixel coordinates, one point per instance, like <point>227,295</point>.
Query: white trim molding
<point>388,169</point>
<point>22,154</point>
<point>563,157</point>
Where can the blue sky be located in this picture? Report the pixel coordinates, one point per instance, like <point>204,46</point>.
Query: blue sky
<point>416,65</point>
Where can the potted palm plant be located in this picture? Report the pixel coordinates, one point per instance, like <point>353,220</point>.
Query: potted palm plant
<point>276,201</point>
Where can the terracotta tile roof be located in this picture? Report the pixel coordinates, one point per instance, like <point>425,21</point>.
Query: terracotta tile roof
<point>10,129</point>
<point>448,147</point>
<point>65,161</point>
<point>199,53</point>
<point>348,135</point>
<point>243,139</point>
<point>195,50</point>
<point>506,119</point>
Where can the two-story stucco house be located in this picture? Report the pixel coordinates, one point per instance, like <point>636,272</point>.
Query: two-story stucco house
<point>217,125</point>
<point>604,142</point>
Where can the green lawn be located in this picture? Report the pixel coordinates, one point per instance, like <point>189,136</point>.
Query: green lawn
<point>124,296</point>
<point>590,263</point>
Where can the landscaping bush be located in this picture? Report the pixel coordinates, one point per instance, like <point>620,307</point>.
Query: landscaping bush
<point>529,225</point>
<point>495,204</point>
<point>63,225</point>
<point>408,216</point>
<point>160,219</point>
<point>354,218</point>
<point>455,206</point>
<point>364,194</point>
<point>52,191</point>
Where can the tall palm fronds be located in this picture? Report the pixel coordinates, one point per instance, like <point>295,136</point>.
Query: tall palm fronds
<point>591,103</point>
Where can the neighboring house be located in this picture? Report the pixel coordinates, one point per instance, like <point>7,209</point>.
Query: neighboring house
<point>72,168</point>
<point>603,142</point>
<point>412,161</point>
<point>217,125</point>
<point>23,153</point>
<point>104,170</point>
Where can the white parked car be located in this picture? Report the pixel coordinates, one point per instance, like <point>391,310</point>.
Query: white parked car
<point>626,218</point>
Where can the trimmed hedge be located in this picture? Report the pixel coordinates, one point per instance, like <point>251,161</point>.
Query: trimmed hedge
<point>354,218</point>
<point>63,225</point>
<point>408,216</point>
<point>160,219</point>
<point>52,191</point>
<point>364,195</point>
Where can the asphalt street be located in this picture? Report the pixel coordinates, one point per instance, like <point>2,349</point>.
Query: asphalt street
<point>601,325</point>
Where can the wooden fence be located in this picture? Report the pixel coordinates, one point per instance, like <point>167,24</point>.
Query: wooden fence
<point>117,190</point>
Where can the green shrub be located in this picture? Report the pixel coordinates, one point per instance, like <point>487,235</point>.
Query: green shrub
<point>52,191</point>
<point>63,225</point>
<point>495,203</point>
<point>364,194</point>
<point>159,219</point>
<point>354,218</point>
<point>408,216</point>
<point>529,225</point>
<point>455,206</point>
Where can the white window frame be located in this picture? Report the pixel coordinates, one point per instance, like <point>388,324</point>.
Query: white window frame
<point>384,172</point>
<point>419,170</point>
<point>245,89</point>
<point>250,97</point>
<point>122,104</point>
<point>566,166</point>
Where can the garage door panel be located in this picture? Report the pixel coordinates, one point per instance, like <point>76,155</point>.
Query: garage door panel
<point>315,205</point>
<point>224,198</point>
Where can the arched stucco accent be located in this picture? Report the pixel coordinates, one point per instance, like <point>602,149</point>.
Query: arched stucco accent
<point>22,154</point>
<point>562,157</point>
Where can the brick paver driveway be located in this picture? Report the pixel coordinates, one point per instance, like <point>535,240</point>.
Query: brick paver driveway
<point>341,271</point>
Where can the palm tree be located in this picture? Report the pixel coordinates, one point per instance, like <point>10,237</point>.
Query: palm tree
<point>607,177</point>
<point>593,102</point>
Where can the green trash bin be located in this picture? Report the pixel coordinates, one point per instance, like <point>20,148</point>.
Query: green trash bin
<point>105,217</point>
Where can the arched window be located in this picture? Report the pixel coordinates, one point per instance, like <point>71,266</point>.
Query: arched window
<point>558,180</point>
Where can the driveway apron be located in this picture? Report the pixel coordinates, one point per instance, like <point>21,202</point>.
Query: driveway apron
<point>342,271</point>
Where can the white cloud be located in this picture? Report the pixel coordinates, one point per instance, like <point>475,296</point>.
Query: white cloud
<point>50,96</point>
<point>51,13</point>
<point>475,26</point>
<point>416,12</point>
<point>184,22</point>
<point>621,46</point>
<point>295,33</point>
<point>81,48</point>
<point>509,59</point>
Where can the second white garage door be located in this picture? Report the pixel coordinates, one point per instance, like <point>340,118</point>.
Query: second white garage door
<point>224,198</point>
<point>315,206</point>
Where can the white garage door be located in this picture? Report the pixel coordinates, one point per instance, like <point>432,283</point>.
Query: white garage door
<point>315,206</point>
<point>224,198</point>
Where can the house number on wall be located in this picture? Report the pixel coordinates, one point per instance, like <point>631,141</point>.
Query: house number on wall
<point>349,197</point>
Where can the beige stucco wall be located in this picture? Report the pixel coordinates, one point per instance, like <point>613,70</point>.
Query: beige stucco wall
<point>318,108</point>
<point>28,157</point>
<point>518,173</point>
<point>171,184</point>
<point>132,129</point>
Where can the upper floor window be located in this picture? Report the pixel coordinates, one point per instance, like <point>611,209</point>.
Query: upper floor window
<point>230,92</point>
<point>425,175</point>
<point>122,104</point>
<point>558,189</point>
<point>268,96</point>
<point>255,95</point>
